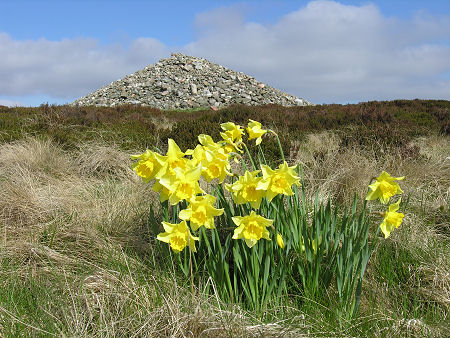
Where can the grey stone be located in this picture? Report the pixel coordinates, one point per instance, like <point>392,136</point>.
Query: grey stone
<point>193,88</point>
<point>202,102</point>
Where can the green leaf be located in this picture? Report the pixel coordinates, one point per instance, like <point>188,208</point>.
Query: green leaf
<point>265,274</point>
<point>357,298</point>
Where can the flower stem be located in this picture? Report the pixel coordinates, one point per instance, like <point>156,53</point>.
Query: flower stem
<point>250,156</point>
<point>262,154</point>
<point>279,146</point>
<point>190,266</point>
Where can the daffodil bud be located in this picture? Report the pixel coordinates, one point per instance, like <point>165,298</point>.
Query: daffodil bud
<point>280,240</point>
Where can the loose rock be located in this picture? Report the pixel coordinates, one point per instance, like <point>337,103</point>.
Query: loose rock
<point>187,82</point>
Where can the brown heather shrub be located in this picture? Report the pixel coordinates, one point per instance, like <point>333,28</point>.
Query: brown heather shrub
<point>133,127</point>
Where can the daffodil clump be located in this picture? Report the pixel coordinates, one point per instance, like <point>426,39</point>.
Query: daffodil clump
<point>244,228</point>
<point>177,174</point>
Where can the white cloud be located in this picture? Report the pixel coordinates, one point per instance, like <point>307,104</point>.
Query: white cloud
<point>10,103</point>
<point>69,68</point>
<point>323,52</point>
<point>330,52</point>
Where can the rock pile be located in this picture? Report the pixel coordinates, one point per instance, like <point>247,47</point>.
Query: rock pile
<point>187,82</point>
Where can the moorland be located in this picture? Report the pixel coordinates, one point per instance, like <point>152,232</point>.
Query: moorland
<point>78,253</point>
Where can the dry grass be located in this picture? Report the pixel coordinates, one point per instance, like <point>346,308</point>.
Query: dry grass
<point>70,198</point>
<point>77,218</point>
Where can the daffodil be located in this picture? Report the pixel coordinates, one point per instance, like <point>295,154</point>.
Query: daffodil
<point>216,165</point>
<point>244,189</point>
<point>174,159</point>
<point>178,236</point>
<point>149,164</point>
<point>280,240</point>
<point>183,185</point>
<point>228,148</point>
<point>232,135</point>
<point>163,191</point>
<point>252,228</point>
<point>208,142</point>
<point>198,155</point>
<point>233,130</point>
<point>231,151</point>
<point>255,132</point>
<point>384,188</point>
<point>392,219</point>
<point>278,181</point>
<point>214,161</point>
<point>200,212</point>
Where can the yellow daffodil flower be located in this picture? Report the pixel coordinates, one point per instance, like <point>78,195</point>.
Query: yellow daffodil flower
<point>183,185</point>
<point>255,132</point>
<point>384,188</point>
<point>232,135</point>
<point>228,148</point>
<point>208,142</point>
<point>215,165</point>
<point>252,228</point>
<point>233,130</point>
<point>178,236</point>
<point>278,181</point>
<point>200,212</point>
<point>214,162</point>
<point>280,241</point>
<point>392,219</point>
<point>198,155</point>
<point>163,191</point>
<point>174,159</point>
<point>244,190</point>
<point>149,164</point>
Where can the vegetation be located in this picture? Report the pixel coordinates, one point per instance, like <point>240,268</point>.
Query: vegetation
<point>78,244</point>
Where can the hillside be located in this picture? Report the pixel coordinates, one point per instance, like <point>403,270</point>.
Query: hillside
<point>134,126</point>
<point>78,226</point>
<point>187,82</point>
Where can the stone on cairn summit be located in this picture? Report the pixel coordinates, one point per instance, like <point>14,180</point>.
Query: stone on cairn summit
<point>187,82</point>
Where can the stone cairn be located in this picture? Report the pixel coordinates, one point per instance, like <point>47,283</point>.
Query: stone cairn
<point>186,82</point>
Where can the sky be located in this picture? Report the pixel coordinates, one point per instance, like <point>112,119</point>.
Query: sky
<point>55,51</point>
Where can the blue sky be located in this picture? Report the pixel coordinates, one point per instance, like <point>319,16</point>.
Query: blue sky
<point>323,51</point>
